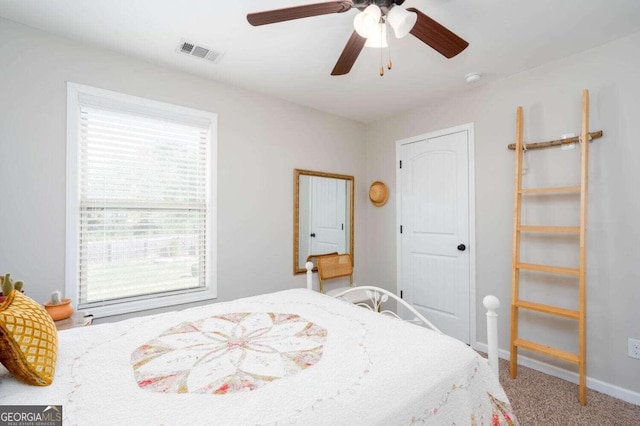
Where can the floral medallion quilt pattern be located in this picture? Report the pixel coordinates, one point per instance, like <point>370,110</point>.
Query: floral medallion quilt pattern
<point>234,352</point>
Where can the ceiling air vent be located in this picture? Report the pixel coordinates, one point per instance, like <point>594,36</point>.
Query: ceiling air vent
<point>193,49</point>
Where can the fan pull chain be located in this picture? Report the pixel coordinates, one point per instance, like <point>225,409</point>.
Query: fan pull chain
<point>389,63</point>
<point>381,59</point>
<point>381,67</point>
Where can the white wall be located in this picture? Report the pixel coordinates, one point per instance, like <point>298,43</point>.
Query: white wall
<point>261,140</point>
<point>551,98</point>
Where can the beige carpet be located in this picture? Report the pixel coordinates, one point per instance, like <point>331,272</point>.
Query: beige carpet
<point>539,399</point>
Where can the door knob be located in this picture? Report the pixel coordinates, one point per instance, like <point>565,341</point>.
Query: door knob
<point>462,247</point>
<point>313,235</point>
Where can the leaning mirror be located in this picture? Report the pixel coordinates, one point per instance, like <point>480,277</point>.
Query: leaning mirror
<point>322,215</point>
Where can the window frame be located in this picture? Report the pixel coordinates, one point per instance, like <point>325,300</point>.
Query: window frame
<point>153,301</point>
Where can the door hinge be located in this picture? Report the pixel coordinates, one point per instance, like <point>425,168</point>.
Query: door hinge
<point>400,294</point>
<point>400,163</point>
<point>401,229</point>
<point>343,227</point>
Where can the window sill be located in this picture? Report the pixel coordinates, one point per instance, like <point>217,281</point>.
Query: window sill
<point>135,306</point>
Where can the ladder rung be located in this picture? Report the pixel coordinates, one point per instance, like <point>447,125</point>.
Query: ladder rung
<point>547,350</point>
<point>566,229</point>
<point>549,268</point>
<point>550,190</point>
<point>548,309</point>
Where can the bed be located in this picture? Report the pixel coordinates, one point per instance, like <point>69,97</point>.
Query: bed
<point>290,357</point>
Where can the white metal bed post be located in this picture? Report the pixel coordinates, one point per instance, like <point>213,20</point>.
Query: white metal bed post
<point>491,303</point>
<point>309,266</point>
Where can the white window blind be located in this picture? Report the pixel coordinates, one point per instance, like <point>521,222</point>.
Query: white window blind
<point>143,201</point>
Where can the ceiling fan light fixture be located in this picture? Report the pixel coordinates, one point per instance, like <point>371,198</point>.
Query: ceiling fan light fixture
<point>401,20</point>
<point>378,37</point>
<point>367,30</point>
<point>366,22</point>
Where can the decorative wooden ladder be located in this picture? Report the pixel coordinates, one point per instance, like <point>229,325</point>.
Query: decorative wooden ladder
<point>516,303</point>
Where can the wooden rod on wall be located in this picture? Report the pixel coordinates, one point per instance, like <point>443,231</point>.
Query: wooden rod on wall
<point>538,145</point>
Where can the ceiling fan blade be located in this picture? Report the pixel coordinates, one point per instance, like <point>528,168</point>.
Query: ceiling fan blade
<point>349,54</point>
<point>437,36</point>
<point>297,12</point>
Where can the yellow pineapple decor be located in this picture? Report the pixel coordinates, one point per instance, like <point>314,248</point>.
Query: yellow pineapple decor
<point>28,337</point>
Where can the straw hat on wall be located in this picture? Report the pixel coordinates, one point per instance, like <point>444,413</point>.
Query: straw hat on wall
<point>378,193</point>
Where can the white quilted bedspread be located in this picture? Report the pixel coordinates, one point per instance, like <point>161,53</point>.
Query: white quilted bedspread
<point>292,357</point>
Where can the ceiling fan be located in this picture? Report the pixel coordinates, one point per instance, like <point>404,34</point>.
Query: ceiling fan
<point>374,15</point>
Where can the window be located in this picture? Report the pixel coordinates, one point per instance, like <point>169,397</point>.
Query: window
<point>140,202</point>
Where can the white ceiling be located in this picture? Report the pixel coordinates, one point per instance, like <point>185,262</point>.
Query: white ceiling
<point>293,60</point>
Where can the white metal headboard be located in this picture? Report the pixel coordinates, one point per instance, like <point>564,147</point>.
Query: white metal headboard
<point>377,296</point>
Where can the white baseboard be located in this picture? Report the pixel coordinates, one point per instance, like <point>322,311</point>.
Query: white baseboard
<point>595,384</point>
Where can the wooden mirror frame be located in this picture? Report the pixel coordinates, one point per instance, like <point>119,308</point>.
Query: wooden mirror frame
<point>297,269</point>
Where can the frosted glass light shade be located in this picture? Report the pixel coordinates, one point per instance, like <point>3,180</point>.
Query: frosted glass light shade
<point>366,21</point>
<point>401,20</point>
<point>378,37</point>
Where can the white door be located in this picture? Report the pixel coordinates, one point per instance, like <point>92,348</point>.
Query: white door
<point>328,215</point>
<point>434,247</point>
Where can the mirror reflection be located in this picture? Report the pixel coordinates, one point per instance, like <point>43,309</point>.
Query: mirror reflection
<point>323,216</point>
